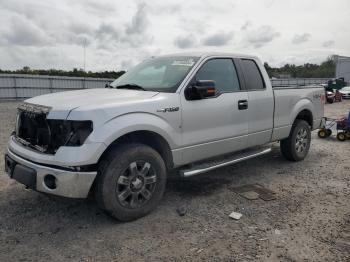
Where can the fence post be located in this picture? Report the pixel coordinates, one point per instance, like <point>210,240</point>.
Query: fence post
<point>51,84</point>
<point>15,86</point>
<point>82,83</point>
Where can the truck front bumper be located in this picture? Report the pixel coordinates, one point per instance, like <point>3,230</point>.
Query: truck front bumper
<point>55,181</point>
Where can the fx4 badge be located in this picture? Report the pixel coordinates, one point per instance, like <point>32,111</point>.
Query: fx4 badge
<point>317,96</point>
<point>169,109</point>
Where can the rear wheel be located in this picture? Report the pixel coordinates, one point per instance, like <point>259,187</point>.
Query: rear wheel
<point>131,181</point>
<point>296,146</point>
<point>347,134</point>
<point>341,136</point>
<point>329,132</point>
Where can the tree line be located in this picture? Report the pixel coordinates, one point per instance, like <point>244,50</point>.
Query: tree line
<point>58,72</point>
<point>324,70</point>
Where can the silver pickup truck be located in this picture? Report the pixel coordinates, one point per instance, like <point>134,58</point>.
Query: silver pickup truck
<point>189,112</point>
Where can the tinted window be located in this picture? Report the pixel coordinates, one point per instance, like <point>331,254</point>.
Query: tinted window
<point>253,78</point>
<point>223,72</point>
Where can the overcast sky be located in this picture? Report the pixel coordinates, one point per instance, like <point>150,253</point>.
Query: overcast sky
<point>118,34</point>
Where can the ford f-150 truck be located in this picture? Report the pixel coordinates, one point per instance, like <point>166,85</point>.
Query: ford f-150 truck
<point>188,112</point>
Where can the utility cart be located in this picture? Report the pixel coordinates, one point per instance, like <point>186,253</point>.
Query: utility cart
<point>340,125</point>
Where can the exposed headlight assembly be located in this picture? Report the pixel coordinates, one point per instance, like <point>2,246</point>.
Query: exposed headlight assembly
<point>68,132</point>
<point>47,135</point>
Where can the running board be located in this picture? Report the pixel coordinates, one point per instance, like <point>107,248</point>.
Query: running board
<point>204,167</point>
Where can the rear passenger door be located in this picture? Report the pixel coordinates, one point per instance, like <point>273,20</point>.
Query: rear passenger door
<point>260,102</point>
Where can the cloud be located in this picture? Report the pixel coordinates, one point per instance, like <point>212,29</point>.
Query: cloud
<point>134,34</point>
<point>184,42</point>
<point>79,28</point>
<point>328,43</point>
<point>270,3</point>
<point>125,64</point>
<point>246,25</point>
<point>218,39</point>
<point>261,36</point>
<point>100,8</point>
<point>107,32</point>
<point>23,32</point>
<point>139,21</point>
<point>195,25</point>
<point>298,39</point>
<point>165,8</point>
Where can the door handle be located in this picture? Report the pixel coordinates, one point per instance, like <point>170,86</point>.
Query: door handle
<point>242,104</point>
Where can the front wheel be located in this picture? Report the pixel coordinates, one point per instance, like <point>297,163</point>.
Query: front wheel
<point>322,133</point>
<point>131,181</point>
<point>296,146</point>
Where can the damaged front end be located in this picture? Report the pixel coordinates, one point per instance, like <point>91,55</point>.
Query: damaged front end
<point>35,130</point>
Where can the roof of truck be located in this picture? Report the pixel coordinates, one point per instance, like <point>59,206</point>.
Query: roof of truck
<point>208,54</point>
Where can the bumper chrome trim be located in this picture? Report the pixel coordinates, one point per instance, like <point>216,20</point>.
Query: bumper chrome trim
<point>70,184</point>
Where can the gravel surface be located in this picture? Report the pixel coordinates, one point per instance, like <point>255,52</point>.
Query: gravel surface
<point>308,221</point>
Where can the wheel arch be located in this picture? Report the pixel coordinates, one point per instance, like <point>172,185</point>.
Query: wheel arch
<point>305,115</point>
<point>146,137</point>
<point>303,110</point>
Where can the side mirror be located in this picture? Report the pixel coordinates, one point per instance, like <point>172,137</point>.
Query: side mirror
<point>200,89</point>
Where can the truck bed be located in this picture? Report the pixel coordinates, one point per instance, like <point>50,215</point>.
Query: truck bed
<point>288,102</point>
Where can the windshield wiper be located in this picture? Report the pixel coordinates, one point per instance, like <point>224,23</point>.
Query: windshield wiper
<point>131,86</point>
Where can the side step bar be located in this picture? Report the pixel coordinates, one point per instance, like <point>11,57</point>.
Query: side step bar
<point>204,167</point>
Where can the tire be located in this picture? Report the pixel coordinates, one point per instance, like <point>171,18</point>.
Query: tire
<point>296,146</point>
<point>131,181</point>
<point>328,132</point>
<point>322,133</point>
<point>347,134</point>
<point>341,136</point>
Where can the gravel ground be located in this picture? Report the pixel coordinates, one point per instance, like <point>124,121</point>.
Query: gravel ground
<point>308,221</point>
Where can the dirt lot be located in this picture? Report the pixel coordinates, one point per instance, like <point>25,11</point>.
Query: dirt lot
<point>309,220</point>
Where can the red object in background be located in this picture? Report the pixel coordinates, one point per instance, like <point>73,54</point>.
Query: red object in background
<point>338,96</point>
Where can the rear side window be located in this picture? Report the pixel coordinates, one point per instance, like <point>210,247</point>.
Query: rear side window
<point>253,77</point>
<point>223,72</point>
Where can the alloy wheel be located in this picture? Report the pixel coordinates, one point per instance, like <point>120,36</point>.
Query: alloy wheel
<point>136,185</point>
<point>301,140</point>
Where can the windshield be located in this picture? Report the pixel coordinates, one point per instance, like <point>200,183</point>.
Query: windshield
<point>163,74</point>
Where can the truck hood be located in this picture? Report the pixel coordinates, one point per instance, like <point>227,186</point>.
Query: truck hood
<point>62,103</point>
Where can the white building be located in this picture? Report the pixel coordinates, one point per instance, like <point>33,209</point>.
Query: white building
<point>343,68</point>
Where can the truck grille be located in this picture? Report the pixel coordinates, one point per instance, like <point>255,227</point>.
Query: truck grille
<point>32,128</point>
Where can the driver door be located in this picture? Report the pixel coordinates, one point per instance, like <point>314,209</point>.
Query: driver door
<point>219,124</point>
